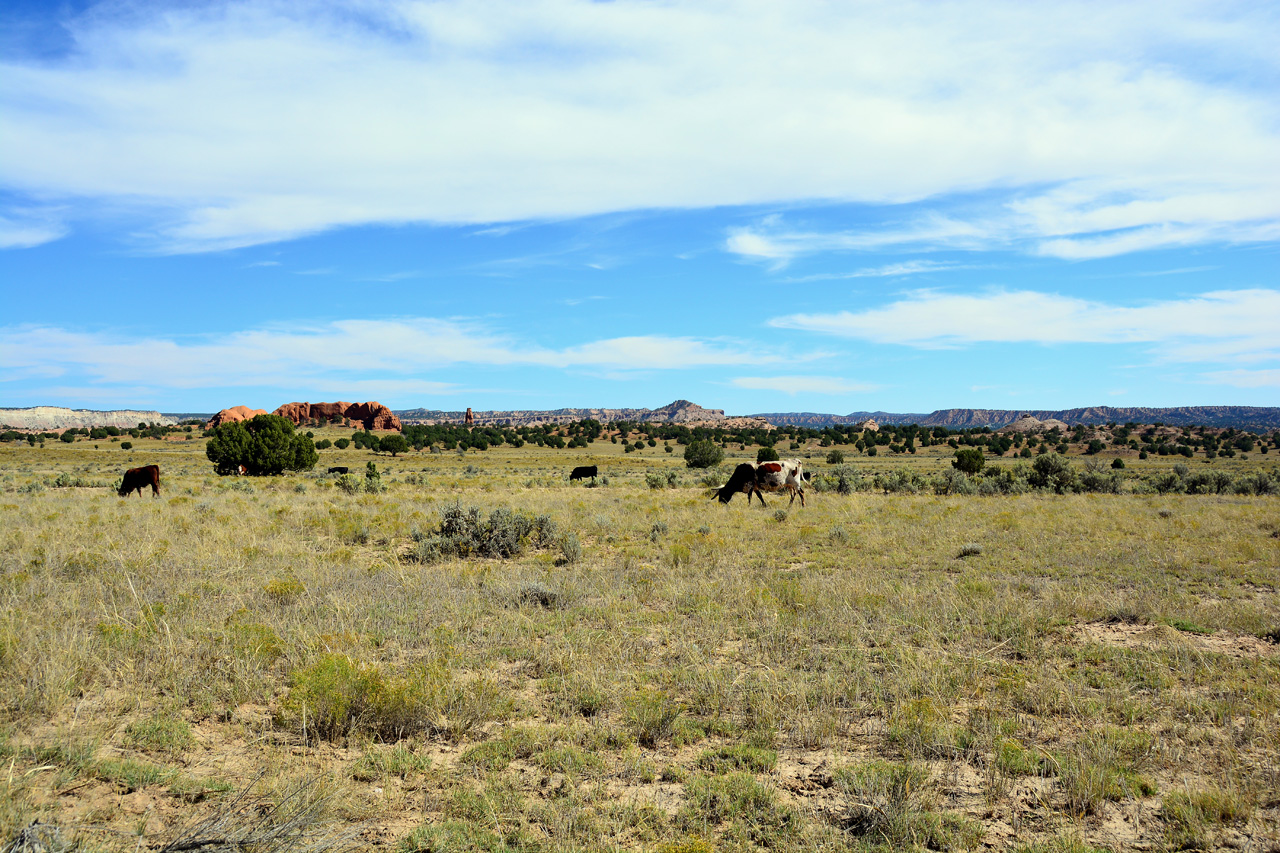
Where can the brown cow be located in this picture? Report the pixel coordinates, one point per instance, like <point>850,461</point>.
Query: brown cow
<point>139,478</point>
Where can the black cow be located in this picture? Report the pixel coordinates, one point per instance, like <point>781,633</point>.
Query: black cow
<point>582,472</point>
<point>339,469</point>
<point>137,479</point>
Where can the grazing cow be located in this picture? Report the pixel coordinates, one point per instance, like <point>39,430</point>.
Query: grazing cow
<point>755,478</point>
<point>582,472</point>
<point>137,479</point>
<point>339,469</point>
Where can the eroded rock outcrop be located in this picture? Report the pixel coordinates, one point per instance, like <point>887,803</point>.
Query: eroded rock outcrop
<point>235,413</point>
<point>372,415</point>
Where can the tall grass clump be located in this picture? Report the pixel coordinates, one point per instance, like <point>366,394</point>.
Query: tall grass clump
<point>336,697</point>
<point>894,806</point>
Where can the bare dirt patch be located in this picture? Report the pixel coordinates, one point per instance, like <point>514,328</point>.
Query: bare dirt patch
<point>1140,635</point>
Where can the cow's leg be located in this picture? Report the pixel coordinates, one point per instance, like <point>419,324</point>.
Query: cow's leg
<point>760,495</point>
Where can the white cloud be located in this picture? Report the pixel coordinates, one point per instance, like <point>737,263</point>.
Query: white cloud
<point>887,271</point>
<point>803,384</point>
<point>1245,378</point>
<point>337,355</point>
<point>1222,325</point>
<point>23,229</point>
<point>245,122</point>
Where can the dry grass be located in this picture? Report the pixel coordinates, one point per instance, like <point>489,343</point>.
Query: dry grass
<point>699,677</point>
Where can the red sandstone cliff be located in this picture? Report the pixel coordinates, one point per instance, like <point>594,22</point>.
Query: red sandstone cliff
<point>371,415</point>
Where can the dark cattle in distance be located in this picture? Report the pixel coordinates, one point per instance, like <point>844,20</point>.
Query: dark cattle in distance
<point>583,471</point>
<point>137,479</point>
<point>757,478</point>
<point>339,469</point>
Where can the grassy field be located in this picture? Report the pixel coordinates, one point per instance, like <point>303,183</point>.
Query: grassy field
<point>649,671</point>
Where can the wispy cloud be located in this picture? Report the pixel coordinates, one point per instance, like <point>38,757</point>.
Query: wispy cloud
<point>25,228</point>
<point>803,384</point>
<point>242,123</point>
<point>899,270</point>
<point>1216,326</point>
<point>1245,378</point>
<point>336,354</point>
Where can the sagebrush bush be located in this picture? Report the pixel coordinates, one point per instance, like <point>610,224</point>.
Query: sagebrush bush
<point>504,534</point>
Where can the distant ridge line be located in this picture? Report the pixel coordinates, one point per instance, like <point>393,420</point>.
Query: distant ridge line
<point>1251,417</point>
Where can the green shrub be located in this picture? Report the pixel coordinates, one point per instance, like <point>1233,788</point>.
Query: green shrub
<point>767,454</point>
<point>267,444</point>
<point>835,457</point>
<point>1052,471</point>
<point>952,481</point>
<point>969,460</point>
<point>900,481</point>
<point>703,454</point>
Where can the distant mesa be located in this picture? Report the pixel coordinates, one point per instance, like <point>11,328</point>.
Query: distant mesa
<point>373,416</point>
<point>57,417</point>
<point>235,413</point>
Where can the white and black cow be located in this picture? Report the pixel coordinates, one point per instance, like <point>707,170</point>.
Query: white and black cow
<point>757,477</point>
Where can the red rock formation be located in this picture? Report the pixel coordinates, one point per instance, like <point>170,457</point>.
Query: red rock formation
<point>371,415</point>
<point>470,419</point>
<point>374,416</point>
<point>236,413</point>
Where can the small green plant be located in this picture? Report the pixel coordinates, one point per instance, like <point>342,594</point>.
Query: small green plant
<point>651,716</point>
<point>894,806</point>
<point>969,550</point>
<point>284,590</point>
<point>398,761</point>
<point>1193,819</point>
<point>164,733</point>
<point>746,809</point>
<point>738,757</point>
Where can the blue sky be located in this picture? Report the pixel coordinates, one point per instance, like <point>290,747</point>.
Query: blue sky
<point>755,206</point>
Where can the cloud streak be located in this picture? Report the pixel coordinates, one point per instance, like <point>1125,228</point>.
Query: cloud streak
<point>1216,326</point>
<point>341,354</point>
<point>233,123</point>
